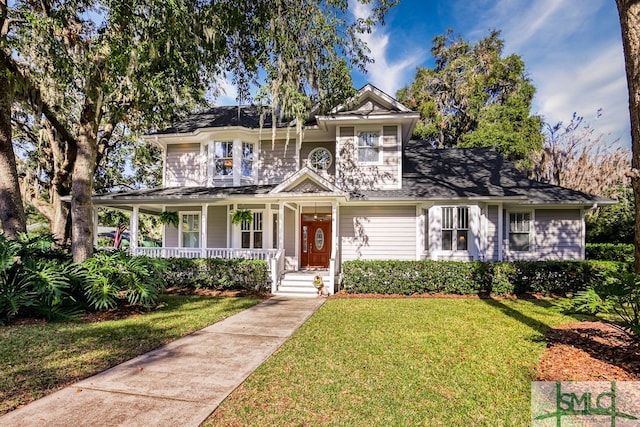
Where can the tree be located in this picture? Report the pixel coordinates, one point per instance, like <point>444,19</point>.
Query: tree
<point>12,214</point>
<point>629,12</point>
<point>575,156</point>
<point>474,97</point>
<point>110,62</point>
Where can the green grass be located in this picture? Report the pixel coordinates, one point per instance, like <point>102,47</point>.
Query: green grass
<point>38,359</point>
<point>397,362</point>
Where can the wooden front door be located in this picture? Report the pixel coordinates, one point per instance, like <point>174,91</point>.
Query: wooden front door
<point>315,242</point>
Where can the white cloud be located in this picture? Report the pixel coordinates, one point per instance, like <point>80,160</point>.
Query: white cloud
<point>386,74</point>
<point>228,93</point>
<point>573,54</point>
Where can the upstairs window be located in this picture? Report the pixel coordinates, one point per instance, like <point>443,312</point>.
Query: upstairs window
<point>455,228</point>
<point>247,160</point>
<point>320,158</point>
<point>520,231</point>
<point>369,150</point>
<point>224,158</point>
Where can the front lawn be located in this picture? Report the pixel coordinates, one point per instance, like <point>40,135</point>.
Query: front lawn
<point>38,359</point>
<point>370,362</point>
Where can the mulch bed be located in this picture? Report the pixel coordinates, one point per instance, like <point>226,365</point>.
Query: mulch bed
<point>589,351</point>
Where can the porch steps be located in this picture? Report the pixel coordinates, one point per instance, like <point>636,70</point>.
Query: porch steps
<point>300,284</point>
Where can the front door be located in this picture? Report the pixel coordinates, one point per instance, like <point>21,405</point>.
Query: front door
<point>315,241</point>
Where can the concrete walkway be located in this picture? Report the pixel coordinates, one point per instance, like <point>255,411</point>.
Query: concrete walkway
<point>179,384</point>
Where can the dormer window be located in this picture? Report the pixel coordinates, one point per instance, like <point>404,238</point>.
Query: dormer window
<point>369,149</point>
<point>320,159</point>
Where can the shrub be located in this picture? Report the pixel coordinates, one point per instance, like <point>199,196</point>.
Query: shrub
<point>622,292</point>
<point>497,278</point>
<point>609,251</point>
<point>217,273</point>
<point>111,276</point>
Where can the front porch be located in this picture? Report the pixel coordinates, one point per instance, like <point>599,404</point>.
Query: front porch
<point>288,235</point>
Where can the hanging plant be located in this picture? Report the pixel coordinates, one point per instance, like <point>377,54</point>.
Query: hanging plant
<point>172,218</point>
<point>242,215</point>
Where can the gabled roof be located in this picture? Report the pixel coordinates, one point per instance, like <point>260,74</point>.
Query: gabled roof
<point>370,100</point>
<point>307,175</point>
<point>481,173</point>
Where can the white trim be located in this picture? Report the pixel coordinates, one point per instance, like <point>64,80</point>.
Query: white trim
<point>400,149</point>
<point>300,176</point>
<point>315,150</point>
<point>583,233</point>
<point>500,232</point>
<point>180,215</point>
<point>420,237</point>
<point>203,226</point>
<point>360,129</point>
<point>202,159</point>
<point>135,217</point>
<point>532,234</point>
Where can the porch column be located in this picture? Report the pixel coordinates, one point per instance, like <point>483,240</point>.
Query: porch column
<point>500,232</point>
<point>334,247</point>
<point>133,233</point>
<point>280,225</point>
<point>95,227</point>
<point>203,231</point>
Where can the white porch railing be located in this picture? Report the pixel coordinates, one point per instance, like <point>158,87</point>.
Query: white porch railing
<point>165,252</point>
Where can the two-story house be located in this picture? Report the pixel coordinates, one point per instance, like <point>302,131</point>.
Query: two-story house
<point>353,187</point>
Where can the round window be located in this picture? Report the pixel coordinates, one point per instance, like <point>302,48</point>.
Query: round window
<point>320,158</point>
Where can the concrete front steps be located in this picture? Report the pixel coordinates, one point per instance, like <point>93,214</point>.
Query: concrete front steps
<point>300,283</point>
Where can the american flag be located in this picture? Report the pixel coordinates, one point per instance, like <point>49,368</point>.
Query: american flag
<point>117,238</point>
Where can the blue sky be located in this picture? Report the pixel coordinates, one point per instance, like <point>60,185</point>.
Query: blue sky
<point>572,50</point>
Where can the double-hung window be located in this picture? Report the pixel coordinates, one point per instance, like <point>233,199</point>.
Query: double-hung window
<point>247,160</point>
<point>520,231</point>
<point>369,147</point>
<point>251,232</point>
<point>224,158</point>
<point>455,228</point>
<point>190,230</point>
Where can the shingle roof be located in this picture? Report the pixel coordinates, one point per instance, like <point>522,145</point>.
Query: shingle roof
<point>184,193</point>
<point>247,116</point>
<point>430,173</point>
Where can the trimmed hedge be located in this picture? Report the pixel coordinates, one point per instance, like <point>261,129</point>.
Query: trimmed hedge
<point>468,278</point>
<point>609,251</point>
<point>217,273</point>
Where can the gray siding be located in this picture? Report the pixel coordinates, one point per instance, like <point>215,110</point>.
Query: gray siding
<point>217,227</point>
<point>183,165</point>
<point>379,176</point>
<point>171,234</point>
<point>558,233</point>
<point>277,162</point>
<point>492,233</point>
<point>378,232</point>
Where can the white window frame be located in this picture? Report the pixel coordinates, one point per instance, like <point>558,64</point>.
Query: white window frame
<point>199,222</point>
<point>327,163</point>
<point>251,159</point>
<point>216,158</point>
<point>455,229</point>
<point>531,230</point>
<point>379,131</point>
<point>252,228</point>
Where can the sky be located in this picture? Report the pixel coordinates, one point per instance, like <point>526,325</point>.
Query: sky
<point>572,50</point>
